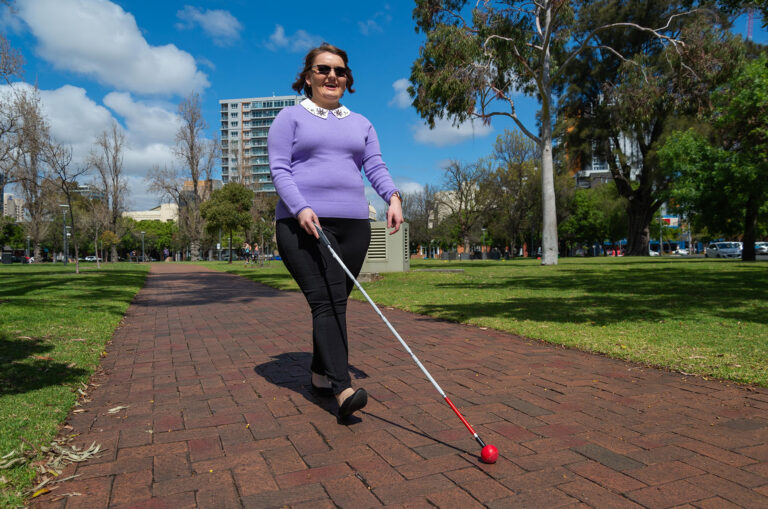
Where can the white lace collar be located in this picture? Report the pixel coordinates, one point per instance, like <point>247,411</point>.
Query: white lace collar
<point>319,111</point>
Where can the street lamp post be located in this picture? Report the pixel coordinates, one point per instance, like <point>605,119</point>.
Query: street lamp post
<point>143,256</point>
<point>64,208</point>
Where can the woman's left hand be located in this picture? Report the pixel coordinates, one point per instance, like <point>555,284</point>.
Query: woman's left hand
<point>394,214</point>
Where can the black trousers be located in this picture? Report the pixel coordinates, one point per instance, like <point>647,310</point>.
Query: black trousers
<point>326,286</point>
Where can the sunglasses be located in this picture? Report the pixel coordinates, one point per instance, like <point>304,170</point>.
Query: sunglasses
<point>341,72</point>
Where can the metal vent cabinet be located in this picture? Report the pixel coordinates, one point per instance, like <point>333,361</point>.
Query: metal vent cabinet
<point>387,253</point>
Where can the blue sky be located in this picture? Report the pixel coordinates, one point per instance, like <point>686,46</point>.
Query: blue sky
<point>133,61</point>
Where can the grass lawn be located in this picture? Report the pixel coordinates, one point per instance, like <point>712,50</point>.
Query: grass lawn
<point>53,328</point>
<point>708,317</point>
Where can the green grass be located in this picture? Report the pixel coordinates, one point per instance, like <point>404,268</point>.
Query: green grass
<point>708,317</point>
<point>53,328</point>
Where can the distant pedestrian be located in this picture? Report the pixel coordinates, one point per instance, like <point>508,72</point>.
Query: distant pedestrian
<point>246,252</point>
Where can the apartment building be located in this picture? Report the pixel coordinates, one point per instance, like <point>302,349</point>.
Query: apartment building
<point>13,207</point>
<point>244,127</point>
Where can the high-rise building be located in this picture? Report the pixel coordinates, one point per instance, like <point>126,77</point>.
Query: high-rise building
<point>244,127</point>
<point>13,207</point>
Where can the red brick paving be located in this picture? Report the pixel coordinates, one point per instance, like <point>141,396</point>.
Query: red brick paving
<point>213,370</point>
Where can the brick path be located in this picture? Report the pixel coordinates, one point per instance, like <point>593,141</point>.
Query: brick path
<point>213,370</point>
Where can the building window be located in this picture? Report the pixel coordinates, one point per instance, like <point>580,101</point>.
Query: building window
<point>233,114</point>
<point>233,124</point>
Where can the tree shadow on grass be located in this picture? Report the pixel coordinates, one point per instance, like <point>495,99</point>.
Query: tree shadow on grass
<point>25,367</point>
<point>292,371</point>
<point>604,297</point>
<point>108,286</point>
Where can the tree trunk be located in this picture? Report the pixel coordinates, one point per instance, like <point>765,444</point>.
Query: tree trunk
<point>549,215</point>
<point>194,248</point>
<point>230,246</point>
<point>638,235</point>
<point>113,254</point>
<point>750,224</point>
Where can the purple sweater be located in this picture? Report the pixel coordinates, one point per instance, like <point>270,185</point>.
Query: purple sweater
<point>315,162</point>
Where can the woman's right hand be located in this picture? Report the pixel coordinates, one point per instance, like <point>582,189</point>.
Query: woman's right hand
<point>307,220</point>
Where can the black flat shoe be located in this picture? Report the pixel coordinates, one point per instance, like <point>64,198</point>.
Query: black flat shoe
<point>326,392</point>
<point>353,403</point>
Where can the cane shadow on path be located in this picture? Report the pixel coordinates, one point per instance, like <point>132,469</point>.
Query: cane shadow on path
<point>292,371</point>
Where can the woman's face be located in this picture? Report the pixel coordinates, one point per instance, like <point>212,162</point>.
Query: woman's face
<point>327,89</point>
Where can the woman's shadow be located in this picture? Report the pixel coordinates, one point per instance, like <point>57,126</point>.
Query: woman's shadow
<point>292,371</point>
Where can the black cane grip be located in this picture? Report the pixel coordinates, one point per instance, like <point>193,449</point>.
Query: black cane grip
<point>321,234</point>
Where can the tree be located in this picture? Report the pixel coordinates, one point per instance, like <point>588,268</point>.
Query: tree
<point>723,176</point>
<point>11,64</point>
<point>107,158</point>
<point>59,160</point>
<point>109,240</point>
<point>229,209</point>
<point>462,201</point>
<point>512,185</point>
<point>739,6</point>
<point>597,214</point>
<point>420,211</point>
<point>197,155</point>
<point>263,221</point>
<point>29,142</point>
<point>473,69</point>
<point>619,110</point>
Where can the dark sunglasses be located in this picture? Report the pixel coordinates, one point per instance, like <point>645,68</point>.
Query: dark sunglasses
<point>325,70</point>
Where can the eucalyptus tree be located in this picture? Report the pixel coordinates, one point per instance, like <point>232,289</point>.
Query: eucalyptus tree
<point>723,171</point>
<point>475,61</point>
<point>619,110</point>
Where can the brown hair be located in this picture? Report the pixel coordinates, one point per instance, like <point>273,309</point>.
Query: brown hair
<point>301,79</point>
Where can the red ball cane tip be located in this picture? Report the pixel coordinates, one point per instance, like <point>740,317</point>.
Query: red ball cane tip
<point>489,454</point>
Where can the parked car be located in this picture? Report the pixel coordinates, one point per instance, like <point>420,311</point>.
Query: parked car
<point>724,250</point>
<point>92,258</point>
<point>761,248</point>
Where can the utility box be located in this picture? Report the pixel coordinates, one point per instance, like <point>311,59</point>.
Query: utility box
<point>387,253</point>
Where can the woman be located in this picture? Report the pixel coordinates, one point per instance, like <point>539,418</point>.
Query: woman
<point>316,152</point>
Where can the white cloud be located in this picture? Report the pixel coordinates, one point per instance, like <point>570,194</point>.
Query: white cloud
<point>298,42</point>
<point>407,186</point>
<point>368,26</point>
<point>445,133</point>
<point>76,120</point>
<point>401,98</point>
<point>219,25</point>
<point>99,39</point>
<point>374,24</point>
<point>146,124</point>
